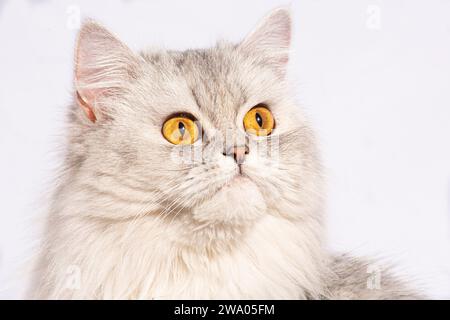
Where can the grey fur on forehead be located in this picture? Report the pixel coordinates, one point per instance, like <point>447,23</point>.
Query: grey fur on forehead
<point>211,75</point>
<point>210,61</point>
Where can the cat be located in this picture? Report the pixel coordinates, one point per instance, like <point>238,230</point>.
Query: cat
<point>193,175</point>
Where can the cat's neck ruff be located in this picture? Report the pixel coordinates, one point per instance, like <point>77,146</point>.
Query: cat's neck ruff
<point>148,258</point>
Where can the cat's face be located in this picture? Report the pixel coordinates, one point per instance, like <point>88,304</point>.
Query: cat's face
<point>179,132</point>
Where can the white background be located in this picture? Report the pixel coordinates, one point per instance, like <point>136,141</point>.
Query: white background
<point>374,76</point>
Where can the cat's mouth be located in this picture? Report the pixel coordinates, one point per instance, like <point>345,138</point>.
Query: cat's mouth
<point>239,179</point>
<point>235,185</point>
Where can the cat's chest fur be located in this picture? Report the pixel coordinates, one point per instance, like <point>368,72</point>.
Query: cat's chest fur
<point>274,259</point>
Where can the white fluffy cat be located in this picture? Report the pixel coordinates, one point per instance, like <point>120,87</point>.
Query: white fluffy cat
<point>134,217</point>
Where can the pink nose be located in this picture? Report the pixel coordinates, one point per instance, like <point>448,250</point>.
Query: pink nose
<point>238,153</point>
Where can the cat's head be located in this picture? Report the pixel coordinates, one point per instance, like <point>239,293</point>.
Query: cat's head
<point>211,132</point>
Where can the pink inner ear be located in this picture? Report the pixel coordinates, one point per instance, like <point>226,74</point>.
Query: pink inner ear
<point>85,98</point>
<point>86,108</point>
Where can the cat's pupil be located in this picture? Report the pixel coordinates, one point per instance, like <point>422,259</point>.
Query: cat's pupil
<point>181,128</point>
<point>259,119</point>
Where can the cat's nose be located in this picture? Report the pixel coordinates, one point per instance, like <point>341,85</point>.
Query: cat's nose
<point>237,152</point>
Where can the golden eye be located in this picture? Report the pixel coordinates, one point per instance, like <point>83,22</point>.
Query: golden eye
<point>259,121</point>
<point>180,130</point>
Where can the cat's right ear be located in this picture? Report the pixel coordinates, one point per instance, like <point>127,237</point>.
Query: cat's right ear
<point>270,41</point>
<point>103,66</point>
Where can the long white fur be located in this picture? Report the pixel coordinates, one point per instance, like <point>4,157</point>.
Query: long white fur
<point>127,221</point>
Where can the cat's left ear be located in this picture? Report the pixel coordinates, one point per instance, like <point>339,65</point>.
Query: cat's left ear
<point>271,39</point>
